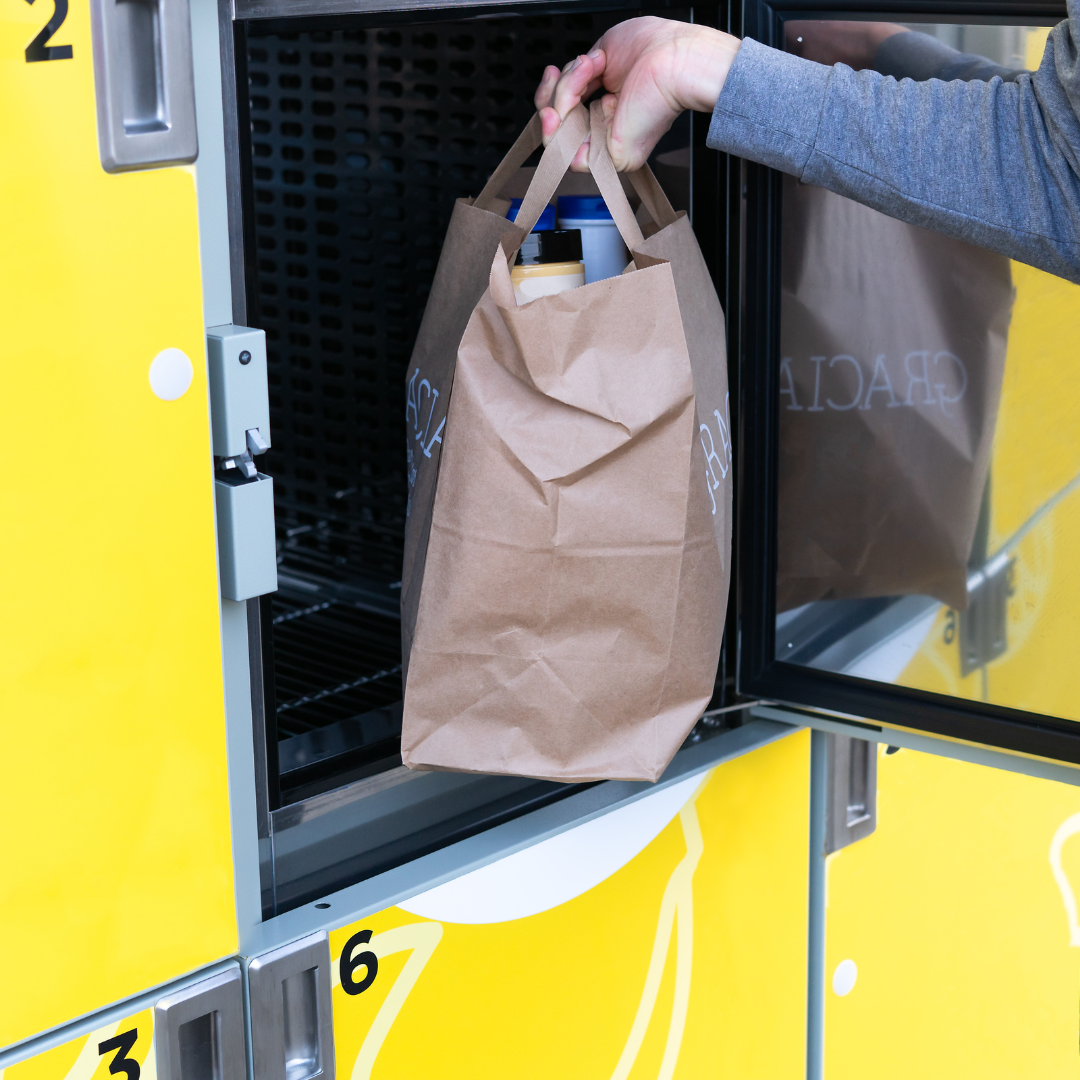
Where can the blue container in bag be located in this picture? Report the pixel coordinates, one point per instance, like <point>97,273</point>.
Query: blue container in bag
<point>602,248</point>
<point>547,218</point>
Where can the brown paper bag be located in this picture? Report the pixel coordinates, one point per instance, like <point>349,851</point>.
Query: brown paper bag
<point>568,537</point>
<point>892,356</point>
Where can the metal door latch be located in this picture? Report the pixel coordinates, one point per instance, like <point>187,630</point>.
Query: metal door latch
<point>240,426</point>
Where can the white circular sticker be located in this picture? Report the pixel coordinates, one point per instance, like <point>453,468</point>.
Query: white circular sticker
<point>843,980</point>
<point>171,374</point>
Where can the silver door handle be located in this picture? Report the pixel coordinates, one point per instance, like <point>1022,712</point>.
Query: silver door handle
<point>292,1025</point>
<point>851,810</point>
<point>145,83</point>
<point>199,1031</point>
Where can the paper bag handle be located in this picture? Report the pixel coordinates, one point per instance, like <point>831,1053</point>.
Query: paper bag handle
<point>607,180</point>
<point>652,195</point>
<point>556,161</point>
<point>553,165</point>
<point>516,156</point>
<point>549,172</point>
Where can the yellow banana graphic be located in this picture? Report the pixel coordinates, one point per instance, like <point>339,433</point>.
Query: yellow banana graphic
<point>677,904</point>
<point>419,938</point>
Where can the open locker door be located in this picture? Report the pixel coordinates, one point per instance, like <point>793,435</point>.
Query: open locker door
<point>116,844</point>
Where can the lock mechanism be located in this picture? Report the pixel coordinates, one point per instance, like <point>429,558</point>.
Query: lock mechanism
<point>240,429</point>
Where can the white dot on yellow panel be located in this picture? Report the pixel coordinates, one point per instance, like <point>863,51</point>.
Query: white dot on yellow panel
<point>171,374</point>
<point>843,980</point>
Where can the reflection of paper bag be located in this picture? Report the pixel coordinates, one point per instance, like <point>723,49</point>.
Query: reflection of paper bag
<point>568,538</point>
<point>893,349</point>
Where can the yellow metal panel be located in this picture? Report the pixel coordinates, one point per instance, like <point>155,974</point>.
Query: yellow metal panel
<point>687,962</point>
<point>117,870</point>
<point>83,1058</point>
<point>758,827</point>
<point>960,928</point>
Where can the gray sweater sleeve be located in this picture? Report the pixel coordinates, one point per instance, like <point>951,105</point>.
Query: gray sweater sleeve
<point>995,163</point>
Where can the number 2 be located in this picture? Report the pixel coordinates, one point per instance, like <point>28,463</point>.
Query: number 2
<point>121,1063</point>
<point>37,49</point>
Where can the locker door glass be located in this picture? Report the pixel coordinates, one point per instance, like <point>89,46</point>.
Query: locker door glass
<point>928,463</point>
<point>116,848</point>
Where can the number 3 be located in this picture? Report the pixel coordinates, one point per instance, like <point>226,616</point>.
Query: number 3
<point>121,1063</point>
<point>348,964</point>
<point>37,49</point>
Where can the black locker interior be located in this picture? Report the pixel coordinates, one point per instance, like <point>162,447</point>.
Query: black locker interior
<point>361,138</point>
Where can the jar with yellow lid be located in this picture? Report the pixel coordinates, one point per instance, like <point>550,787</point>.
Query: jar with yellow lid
<point>549,262</point>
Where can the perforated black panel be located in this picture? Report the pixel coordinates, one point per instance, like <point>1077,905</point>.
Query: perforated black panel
<point>361,142</point>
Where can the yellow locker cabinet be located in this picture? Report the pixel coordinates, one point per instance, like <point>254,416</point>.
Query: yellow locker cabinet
<point>665,938</point>
<point>951,933</point>
<point>117,866</point>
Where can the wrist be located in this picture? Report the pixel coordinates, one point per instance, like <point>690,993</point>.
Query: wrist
<point>702,69</point>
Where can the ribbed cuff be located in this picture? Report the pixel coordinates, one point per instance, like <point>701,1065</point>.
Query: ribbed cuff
<point>770,107</point>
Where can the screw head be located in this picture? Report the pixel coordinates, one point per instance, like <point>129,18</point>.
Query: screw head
<point>245,357</point>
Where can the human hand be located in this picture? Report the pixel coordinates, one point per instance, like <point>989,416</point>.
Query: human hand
<point>838,41</point>
<point>653,69</point>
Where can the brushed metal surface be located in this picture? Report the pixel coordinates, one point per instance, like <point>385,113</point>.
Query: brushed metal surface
<point>292,1033</point>
<point>211,1046</point>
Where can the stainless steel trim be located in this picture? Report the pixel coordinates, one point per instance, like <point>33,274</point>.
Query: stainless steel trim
<point>265,764</point>
<point>217,1002</point>
<point>233,181</point>
<point>258,716</point>
<point>276,1009</point>
<point>145,83</point>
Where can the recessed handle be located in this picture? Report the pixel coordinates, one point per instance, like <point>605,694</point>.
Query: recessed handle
<point>145,83</point>
<point>292,1031</point>
<point>851,809</point>
<point>199,1031</point>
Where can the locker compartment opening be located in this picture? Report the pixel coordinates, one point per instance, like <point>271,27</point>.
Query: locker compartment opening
<point>355,143</point>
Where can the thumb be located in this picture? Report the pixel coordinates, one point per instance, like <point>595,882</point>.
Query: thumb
<point>609,103</point>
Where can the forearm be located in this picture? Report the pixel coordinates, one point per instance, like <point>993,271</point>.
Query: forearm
<point>982,161</point>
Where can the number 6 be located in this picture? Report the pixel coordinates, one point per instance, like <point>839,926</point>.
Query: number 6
<point>348,964</point>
